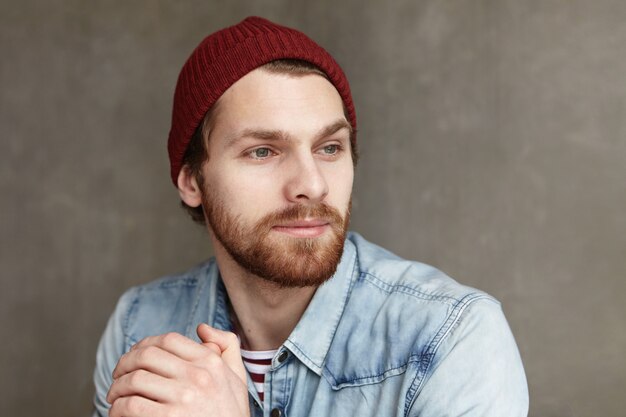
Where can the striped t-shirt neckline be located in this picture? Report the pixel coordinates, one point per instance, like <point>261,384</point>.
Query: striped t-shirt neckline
<point>258,363</point>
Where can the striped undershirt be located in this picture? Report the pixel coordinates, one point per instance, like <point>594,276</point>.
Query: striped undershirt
<point>258,363</point>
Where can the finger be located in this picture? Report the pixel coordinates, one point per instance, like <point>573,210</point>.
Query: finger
<point>215,348</point>
<point>175,343</point>
<point>135,406</point>
<point>151,358</point>
<point>145,384</point>
<point>225,340</point>
<point>228,344</point>
<point>141,354</point>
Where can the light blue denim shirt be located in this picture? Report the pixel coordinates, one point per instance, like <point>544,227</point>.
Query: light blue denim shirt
<point>383,337</point>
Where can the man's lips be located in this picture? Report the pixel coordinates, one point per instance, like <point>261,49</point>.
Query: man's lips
<point>303,228</point>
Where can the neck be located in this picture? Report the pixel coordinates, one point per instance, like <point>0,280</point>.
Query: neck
<point>264,314</point>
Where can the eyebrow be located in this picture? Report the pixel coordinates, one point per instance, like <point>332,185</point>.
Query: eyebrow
<point>282,135</point>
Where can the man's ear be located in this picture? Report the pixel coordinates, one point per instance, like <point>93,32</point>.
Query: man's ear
<point>188,188</point>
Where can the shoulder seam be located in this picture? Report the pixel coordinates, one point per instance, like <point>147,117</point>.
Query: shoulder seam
<point>172,281</point>
<point>426,358</point>
<point>388,288</point>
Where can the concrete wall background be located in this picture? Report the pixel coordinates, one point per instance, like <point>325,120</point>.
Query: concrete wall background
<point>493,139</point>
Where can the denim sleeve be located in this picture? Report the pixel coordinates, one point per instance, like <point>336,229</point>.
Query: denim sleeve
<point>112,345</point>
<point>477,370</point>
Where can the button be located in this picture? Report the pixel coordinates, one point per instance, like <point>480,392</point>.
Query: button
<point>256,404</point>
<point>276,413</point>
<point>281,358</point>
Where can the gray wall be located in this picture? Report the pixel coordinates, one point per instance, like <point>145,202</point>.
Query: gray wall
<point>493,137</point>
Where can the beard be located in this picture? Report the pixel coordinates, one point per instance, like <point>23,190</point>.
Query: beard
<point>286,261</point>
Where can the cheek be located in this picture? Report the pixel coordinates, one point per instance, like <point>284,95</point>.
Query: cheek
<point>248,197</point>
<point>340,184</point>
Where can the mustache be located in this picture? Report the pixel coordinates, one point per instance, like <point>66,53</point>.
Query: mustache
<point>300,212</point>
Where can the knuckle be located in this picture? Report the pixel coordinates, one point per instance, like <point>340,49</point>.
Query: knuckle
<point>126,406</point>
<point>133,405</point>
<point>147,354</point>
<point>123,358</point>
<point>200,377</point>
<point>187,396</point>
<point>120,364</point>
<point>170,339</point>
<point>139,344</point>
<point>135,378</point>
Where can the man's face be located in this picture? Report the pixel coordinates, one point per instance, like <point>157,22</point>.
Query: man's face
<point>278,181</point>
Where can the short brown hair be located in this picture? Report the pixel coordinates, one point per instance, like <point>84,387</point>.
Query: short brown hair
<point>197,150</point>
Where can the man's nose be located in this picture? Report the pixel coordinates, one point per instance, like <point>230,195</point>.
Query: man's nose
<point>306,183</point>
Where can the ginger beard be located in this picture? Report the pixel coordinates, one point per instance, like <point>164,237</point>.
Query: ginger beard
<point>281,259</point>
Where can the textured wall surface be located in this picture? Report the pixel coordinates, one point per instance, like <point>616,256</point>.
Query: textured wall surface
<point>493,140</point>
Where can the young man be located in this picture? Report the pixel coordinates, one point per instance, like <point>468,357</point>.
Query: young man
<point>294,316</point>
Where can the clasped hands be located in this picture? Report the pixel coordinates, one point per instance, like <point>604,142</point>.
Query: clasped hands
<point>172,375</point>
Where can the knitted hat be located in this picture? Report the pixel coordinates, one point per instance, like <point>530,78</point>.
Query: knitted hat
<point>224,57</point>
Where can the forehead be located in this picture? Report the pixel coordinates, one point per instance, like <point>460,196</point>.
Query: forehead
<point>278,101</point>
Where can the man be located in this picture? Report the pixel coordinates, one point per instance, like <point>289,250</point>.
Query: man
<point>294,316</point>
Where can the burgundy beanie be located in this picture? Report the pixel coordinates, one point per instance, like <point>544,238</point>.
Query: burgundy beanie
<point>224,57</point>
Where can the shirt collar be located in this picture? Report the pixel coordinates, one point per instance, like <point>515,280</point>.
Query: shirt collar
<point>312,336</point>
<point>210,304</point>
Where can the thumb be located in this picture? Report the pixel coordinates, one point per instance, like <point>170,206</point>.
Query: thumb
<point>228,344</point>
<point>215,348</point>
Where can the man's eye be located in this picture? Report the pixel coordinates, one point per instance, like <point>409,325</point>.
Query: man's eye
<point>260,153</point>
<point>331,149</point>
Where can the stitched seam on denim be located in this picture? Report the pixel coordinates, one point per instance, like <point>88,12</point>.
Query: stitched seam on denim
<point>355,269</point>
<point>390,289</point>
<point>285,394</point>
<point>347,297</point>
<point>269,394</point>
<point>406,289</point>
<point>288,391</point>
<point>426,359</point>
<point>129,341</point>
<point>357,272</point>
<point>299,349</point>
<point>356,381</point>
<point>192,313</point>
<point>178,282</point>
<point>433,346</point>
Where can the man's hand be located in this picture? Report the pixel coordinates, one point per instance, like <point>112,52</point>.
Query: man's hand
<point>171,375</point>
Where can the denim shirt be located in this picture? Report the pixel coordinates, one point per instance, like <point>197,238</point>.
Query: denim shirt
<point>383,337</point>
